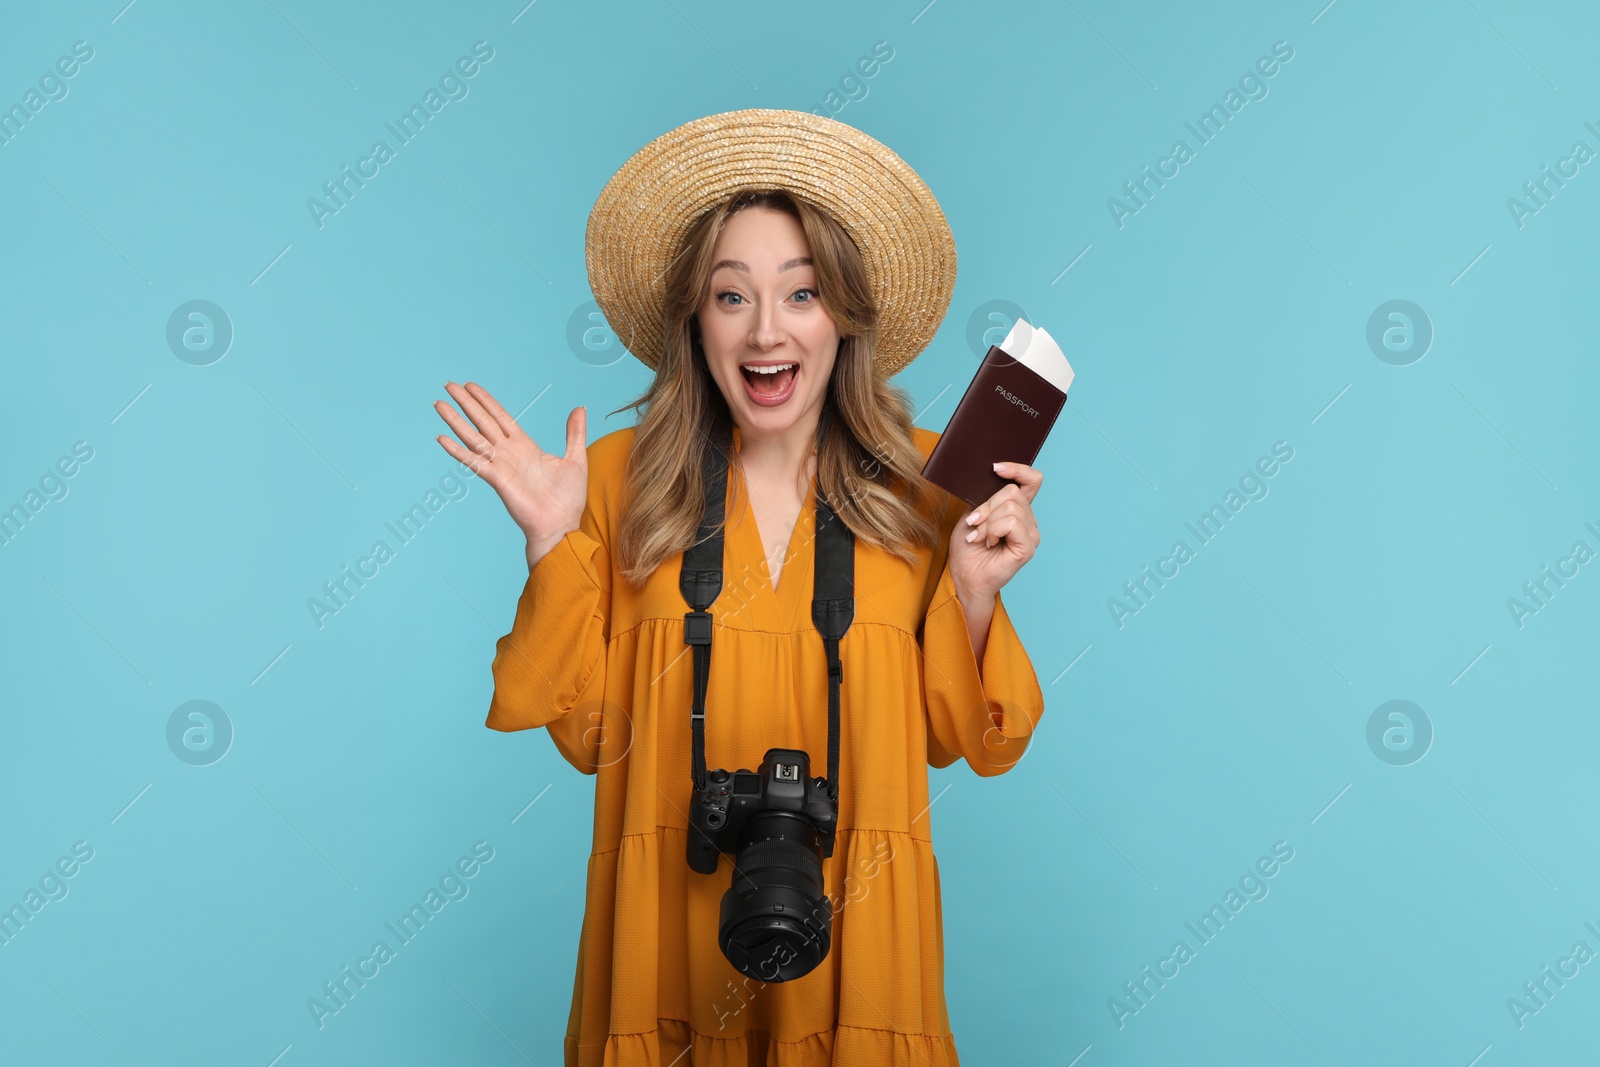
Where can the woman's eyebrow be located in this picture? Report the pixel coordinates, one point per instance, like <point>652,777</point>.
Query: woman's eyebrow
<point>788,264</point>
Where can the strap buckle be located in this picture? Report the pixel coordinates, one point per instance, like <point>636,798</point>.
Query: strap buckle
<point>697,628</point>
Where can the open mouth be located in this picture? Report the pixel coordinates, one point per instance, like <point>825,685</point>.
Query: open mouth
<point>773,382</point>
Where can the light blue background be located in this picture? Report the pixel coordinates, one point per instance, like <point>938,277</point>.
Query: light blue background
<point>1229,714</point>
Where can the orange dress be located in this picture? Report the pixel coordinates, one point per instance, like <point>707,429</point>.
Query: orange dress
<point>605,670</point>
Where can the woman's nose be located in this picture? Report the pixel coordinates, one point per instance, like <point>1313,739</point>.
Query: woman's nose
<point>766,331</point>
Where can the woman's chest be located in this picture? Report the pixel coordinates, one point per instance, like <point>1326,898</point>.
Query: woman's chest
<point>777,519</point>
<point>888,590</point>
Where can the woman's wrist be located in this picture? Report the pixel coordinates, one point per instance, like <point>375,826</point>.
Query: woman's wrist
<point>972,597</point>
<point>538,548</point>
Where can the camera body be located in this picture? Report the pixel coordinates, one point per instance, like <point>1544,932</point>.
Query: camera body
<point>720,813</point>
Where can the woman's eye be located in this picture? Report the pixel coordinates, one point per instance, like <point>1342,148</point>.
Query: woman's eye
<point>729,296</point>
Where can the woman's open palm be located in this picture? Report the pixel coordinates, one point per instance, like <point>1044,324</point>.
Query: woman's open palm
<point>544,492</point>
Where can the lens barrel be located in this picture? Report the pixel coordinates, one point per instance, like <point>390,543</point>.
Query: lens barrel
<point>776,918</point>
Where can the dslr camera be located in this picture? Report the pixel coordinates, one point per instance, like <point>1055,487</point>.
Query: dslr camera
<point>779,823</point>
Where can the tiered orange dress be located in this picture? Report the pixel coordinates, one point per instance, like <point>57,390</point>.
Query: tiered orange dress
<point>605,670</point>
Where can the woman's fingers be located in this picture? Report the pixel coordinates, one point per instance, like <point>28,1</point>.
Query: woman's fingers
<point>481,418</point>
<point>471,460</point>
<point>981,513</point>
<point>1007,518</point>
<point>577,434</point>
<point>470,437</point>
<point>991,527</point>
<point>1002,526</point>
<point>1028,478</point>
<point>507,425</point>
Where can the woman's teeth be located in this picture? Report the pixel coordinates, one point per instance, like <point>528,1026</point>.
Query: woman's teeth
<point>770,381</point>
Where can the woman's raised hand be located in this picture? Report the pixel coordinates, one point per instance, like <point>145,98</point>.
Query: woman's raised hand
<point>544,492</point>
<point>991,543</point>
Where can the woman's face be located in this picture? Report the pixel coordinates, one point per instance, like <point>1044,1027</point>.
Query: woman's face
<point>764,310</point>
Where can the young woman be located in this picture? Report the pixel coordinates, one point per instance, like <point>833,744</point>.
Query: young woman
<point>773,285</point>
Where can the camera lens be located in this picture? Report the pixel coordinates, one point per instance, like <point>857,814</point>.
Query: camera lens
<point>776,917</point>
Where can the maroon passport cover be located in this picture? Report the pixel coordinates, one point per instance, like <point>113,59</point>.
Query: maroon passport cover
<point>1005,414</point>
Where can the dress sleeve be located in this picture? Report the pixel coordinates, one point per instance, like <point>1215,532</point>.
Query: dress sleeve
<point>986,718</point>
<point>550,670</point>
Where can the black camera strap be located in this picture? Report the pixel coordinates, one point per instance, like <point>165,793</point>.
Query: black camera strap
<point>833,604</point>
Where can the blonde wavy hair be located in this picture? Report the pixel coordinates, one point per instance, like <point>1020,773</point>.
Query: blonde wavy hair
<point>868,465</point>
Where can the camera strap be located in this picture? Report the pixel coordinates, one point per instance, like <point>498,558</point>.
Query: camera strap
<point>833,604</point>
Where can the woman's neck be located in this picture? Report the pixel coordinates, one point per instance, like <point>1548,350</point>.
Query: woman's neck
<point>772,459</point>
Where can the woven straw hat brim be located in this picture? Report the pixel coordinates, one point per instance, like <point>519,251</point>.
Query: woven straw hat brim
<point>640,218</point>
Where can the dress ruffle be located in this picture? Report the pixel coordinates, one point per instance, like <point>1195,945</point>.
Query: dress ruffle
<point>675,1044</point>
<point>649,949</point>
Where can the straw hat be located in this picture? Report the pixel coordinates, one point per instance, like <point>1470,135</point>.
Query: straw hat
<point>640,218</point>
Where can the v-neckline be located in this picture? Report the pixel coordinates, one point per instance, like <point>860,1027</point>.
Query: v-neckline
<point>798,553</point>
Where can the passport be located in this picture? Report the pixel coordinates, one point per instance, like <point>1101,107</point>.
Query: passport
<point>1006,414</point>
